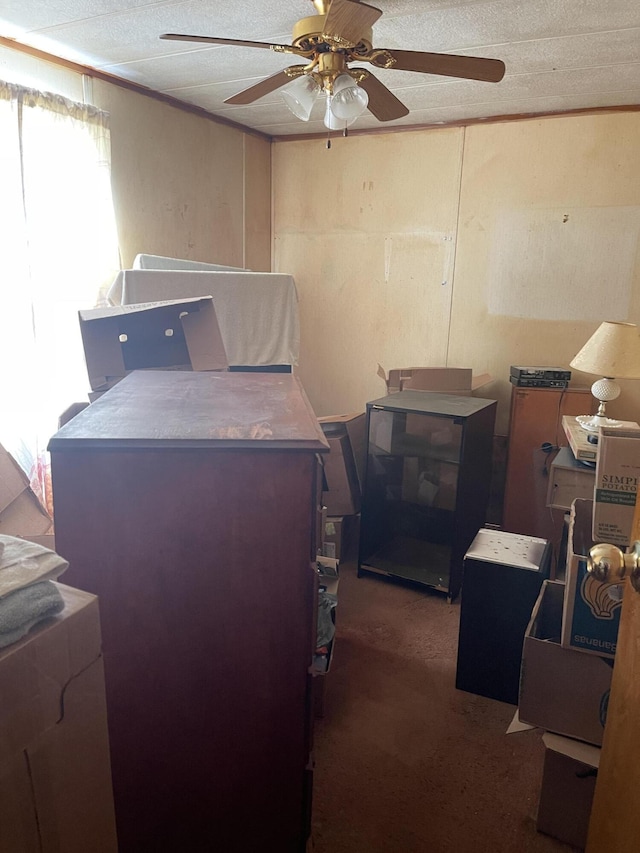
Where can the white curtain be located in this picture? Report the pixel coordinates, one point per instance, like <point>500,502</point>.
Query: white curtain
<point>58,253</point>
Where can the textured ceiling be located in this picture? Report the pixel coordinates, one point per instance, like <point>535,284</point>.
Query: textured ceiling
<point>559,54</point>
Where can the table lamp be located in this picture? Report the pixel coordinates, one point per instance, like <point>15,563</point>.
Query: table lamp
<point>613,352</point>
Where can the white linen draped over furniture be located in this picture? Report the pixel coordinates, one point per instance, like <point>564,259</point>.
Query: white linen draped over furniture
<point>257,312</point>
<point>160,262</point>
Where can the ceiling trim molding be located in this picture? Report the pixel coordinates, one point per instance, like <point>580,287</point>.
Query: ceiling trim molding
<point>202,113</point>
<point>500,119</point>
<point>127,84</point>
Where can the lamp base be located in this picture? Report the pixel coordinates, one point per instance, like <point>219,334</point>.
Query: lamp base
<point>592,423</point>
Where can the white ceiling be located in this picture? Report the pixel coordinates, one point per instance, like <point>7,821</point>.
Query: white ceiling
<point>559,54</point>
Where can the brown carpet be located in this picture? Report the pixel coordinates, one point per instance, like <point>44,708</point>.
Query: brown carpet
<point>404,762</point>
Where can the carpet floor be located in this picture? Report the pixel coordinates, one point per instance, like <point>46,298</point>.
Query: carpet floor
<point>405,762</point>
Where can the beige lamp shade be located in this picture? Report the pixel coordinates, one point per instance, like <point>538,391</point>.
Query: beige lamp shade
<point>613,350</point>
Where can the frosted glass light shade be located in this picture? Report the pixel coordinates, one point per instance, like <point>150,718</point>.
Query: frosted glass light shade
<point>300,96</point>
<point>331,121</point>
<point>349,100</point>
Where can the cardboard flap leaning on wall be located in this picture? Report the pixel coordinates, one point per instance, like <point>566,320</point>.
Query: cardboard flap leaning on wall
<point>174,334</point>
<point>445,380</point>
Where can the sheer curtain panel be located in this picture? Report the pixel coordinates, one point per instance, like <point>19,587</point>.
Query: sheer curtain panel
<point>59,254</point>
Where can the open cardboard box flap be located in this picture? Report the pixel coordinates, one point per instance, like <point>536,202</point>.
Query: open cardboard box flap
<point>13,481</point>
<point>576,749</point>
<point>445,380</point>
<point>21,513</point>
<point>180,334</point>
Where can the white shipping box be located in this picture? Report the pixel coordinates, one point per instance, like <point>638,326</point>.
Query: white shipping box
<point>617,474</point>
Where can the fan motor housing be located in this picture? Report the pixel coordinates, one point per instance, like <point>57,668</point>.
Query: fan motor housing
<point>310,30</point>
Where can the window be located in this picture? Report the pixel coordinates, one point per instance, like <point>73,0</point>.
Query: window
<point>59,253</point>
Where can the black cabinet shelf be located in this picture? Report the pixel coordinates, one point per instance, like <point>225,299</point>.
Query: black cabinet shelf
<point>427,485</point>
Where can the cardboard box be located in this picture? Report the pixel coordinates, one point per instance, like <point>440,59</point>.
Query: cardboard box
<point>346,437</point>
<point>446,380</point>
<point>257,312</point>
<point>355,425</point>
<point>55,775</point>
<point>591,615</point>
<point>70,412</point>
<point>21,513</point>
<point>332,537</point>
<point>568,786</point>
<point>617,475</point>
<point>561,690</point>
<point>339,539</point>
<point>171,335</point>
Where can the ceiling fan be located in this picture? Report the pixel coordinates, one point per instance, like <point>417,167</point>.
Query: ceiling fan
<point>341,33</point>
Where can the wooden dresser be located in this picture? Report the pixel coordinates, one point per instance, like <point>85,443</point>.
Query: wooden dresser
<point>188,503</point>
<point>536,419</point>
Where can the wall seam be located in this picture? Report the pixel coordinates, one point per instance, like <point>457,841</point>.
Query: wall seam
<point>244,200</point>
<point>272,209</point>
<point>455,244</point>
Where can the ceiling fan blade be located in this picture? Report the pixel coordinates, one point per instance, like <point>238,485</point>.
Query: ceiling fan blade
<point>347,21</point>
<point>382,102</point>
<point>280,48</point>
<point>447,64</point>
<point>269,84</point>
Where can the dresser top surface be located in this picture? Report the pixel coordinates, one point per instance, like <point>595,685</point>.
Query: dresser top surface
<point>186,409</point>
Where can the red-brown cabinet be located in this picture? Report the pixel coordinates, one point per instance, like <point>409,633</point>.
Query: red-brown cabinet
<point>187,503</point>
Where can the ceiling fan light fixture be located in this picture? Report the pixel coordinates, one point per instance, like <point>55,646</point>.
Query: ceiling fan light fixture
<point>331,121</point>
<point>300,96</point>
<point>341,33</point>
<point>349,100</point>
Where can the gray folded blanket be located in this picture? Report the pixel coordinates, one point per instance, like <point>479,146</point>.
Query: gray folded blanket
<point>24,608</point>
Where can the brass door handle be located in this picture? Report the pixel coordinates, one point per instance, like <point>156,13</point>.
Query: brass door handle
<point>608,563</point>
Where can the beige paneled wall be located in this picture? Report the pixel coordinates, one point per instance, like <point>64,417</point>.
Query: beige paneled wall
<point>547,244</point>
<point>185,186</point>
<point>488,246</point>
<point>367,228</point>
<point>257,204</point>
